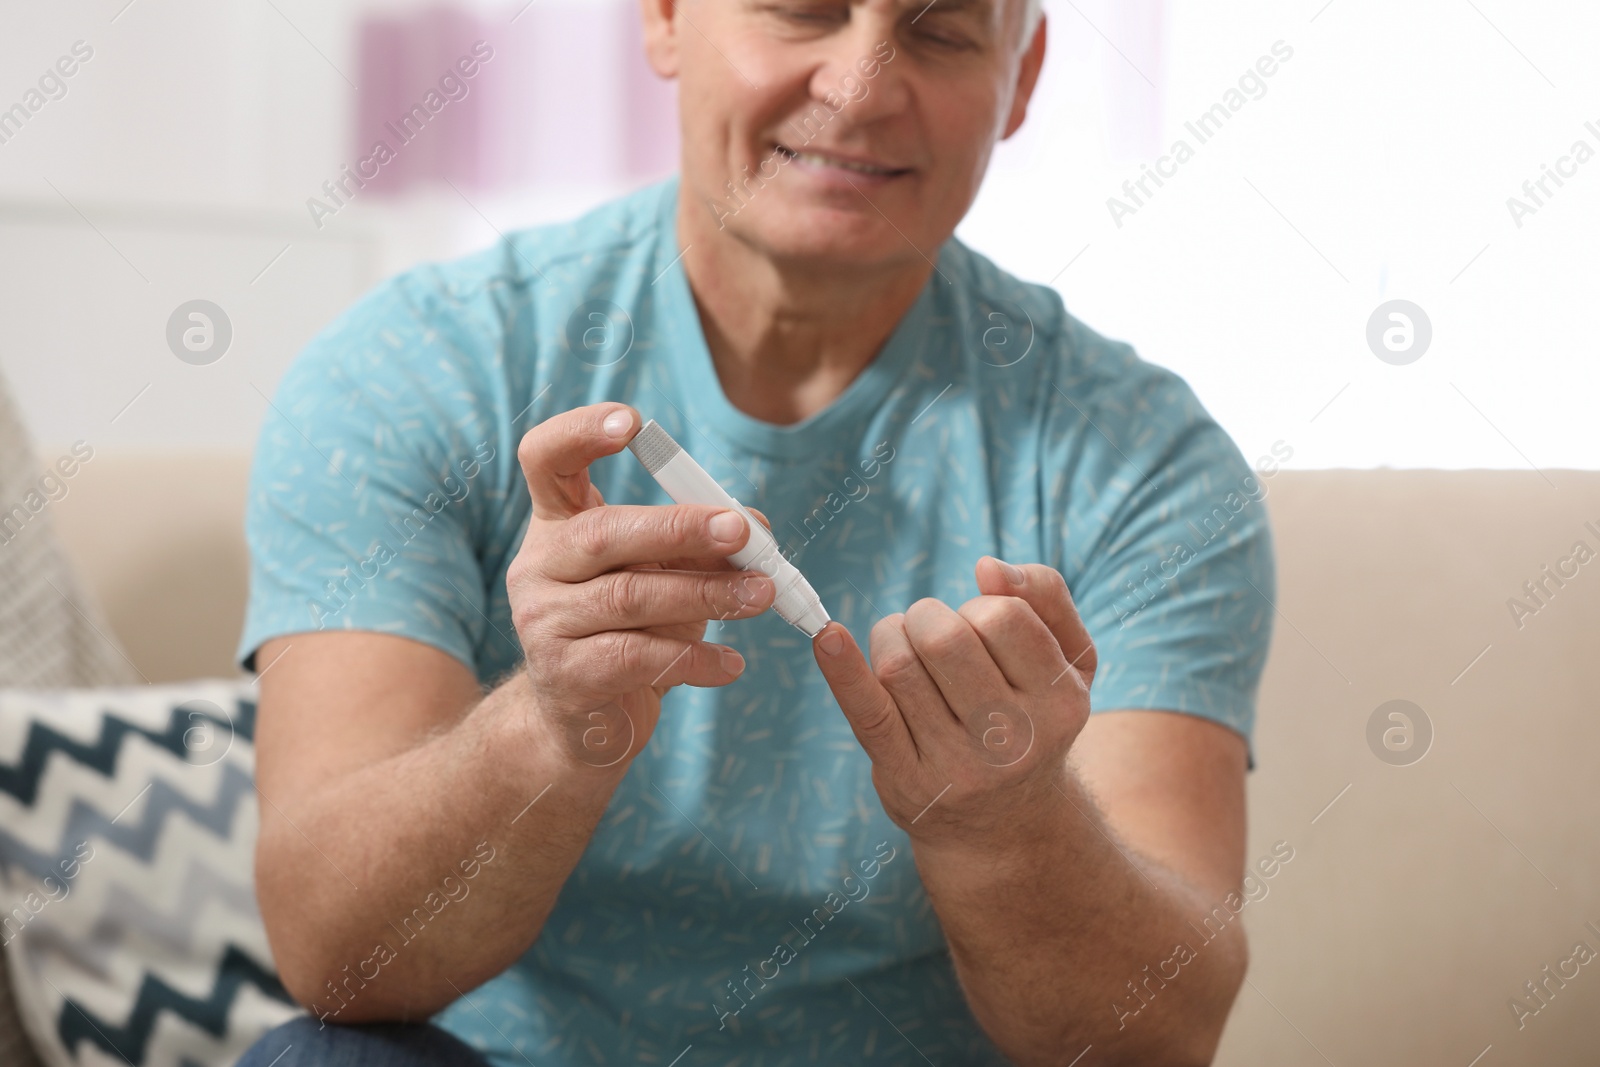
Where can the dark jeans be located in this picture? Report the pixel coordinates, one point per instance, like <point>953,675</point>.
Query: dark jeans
<point>305,1042</point>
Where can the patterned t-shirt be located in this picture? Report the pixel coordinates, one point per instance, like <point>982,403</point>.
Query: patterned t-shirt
<point>745,899</point>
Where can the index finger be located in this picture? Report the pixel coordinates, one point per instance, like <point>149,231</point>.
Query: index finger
<point>870,710</point>
<point>705,563</point>
<point>610,538</point>
<point>555,455</point>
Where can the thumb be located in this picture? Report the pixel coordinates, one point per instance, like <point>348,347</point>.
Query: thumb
<point>872,713</point>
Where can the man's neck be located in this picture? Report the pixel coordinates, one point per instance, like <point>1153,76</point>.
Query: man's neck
<point>787,340</point>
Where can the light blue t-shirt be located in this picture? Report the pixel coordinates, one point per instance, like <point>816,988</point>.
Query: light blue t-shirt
<point>745,898</point>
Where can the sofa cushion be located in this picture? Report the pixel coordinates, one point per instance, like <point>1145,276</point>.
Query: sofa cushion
<point>128,822</point>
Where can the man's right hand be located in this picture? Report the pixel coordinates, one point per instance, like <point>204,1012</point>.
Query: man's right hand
<point>610,603</point>
<point>412,767</point>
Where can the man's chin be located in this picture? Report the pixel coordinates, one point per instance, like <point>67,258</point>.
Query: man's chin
<point>830,237</point>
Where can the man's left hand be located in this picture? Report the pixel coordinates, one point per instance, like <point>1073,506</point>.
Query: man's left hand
<point>968,715</point>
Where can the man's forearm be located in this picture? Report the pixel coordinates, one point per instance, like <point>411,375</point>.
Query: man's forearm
<point>390,891</point>
<point>1061,937</point>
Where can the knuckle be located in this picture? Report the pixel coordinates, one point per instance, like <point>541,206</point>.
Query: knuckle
<point>898,666</point>
<point>573,426</point>
<point>887,631</point>
<point>517,575</point>
<point>876,725</point>
<point>527,606</point>
<point>992,613</point>
<point>1076,685</point>
<point>686,526</point>
<point>1057,582</point>
<point>703,660</point>
<point>615,595</point>
<point>526,568</point>
<point>719,594</point>
<point>528,448</point>
<point>748,590</point>
<point>589,532</point>
<point>941,639</point>
<point>628,650</point>
<point>523,618</point>
<point>698,660</point>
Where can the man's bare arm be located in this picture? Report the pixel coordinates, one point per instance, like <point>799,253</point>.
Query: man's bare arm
<point>1067,933</point>
<point>390,783</point>
<point>386,777</point>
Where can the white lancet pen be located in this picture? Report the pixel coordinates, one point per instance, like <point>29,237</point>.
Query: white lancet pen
<point>687,482</point>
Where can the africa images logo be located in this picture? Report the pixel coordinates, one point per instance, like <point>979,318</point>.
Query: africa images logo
<point>856,889</point>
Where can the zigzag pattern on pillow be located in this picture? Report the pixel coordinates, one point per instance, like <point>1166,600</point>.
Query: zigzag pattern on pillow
<point>210,1014</point>
<point>141,921</point>
<point>127,830</point>
<point>21,779</point>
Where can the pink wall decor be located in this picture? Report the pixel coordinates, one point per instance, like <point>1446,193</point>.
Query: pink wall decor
<point>566,97</point>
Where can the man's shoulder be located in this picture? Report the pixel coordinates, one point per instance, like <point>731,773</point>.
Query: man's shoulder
<point>1025,328</point>
<point>544,260</point>
<point>470,316</point>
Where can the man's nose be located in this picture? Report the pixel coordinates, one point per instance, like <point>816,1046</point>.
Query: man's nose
<point>870,86</point>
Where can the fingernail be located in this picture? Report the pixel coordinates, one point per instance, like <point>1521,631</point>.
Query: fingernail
<point>831,643</point>
<point>618,423</point>
<point>727,526</point>
<point>732,662</point>
<point>1013,574</point>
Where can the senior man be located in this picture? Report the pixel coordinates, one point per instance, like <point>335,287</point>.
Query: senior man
<point>544,781</point>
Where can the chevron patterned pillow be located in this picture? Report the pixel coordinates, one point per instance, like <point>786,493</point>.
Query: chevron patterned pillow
<point>127,835</point>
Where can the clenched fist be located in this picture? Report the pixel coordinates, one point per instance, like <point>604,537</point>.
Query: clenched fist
<point>968,715</point>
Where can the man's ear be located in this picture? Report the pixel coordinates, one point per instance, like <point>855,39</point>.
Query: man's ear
<point>1027,77</point>
<point>660,19</point>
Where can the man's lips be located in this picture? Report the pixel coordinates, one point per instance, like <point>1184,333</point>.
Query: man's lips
<point>853,164</point>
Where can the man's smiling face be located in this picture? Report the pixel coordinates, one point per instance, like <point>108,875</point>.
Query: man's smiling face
<point>860,128</point>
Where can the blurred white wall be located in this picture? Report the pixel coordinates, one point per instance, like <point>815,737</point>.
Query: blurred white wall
<point>1376,166</point>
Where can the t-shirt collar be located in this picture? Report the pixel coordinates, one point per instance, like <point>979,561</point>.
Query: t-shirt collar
<point>708,409</point>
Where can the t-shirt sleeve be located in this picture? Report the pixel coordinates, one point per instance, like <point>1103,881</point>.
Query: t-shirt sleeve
<point>1170,558</point>
<point>363,492</point>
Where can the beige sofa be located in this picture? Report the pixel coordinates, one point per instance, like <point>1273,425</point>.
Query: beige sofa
<point>1419,899</point>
